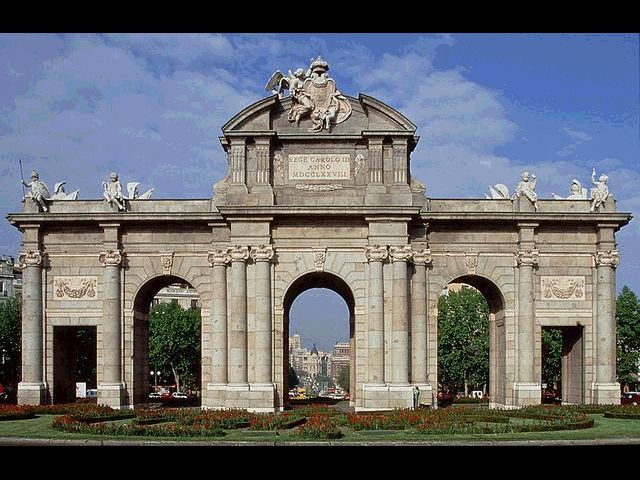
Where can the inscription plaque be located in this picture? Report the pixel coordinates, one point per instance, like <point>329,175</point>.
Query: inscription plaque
<point>320,166</point>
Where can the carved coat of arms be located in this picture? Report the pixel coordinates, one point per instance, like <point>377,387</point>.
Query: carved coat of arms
<point>313,94</point>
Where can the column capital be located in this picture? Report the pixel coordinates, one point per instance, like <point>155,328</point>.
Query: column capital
<point>239,253</point>
<point>400,253</point>
<point>111,258</point>
<point>607,258</point>
<point>526,258</point>
<point>262,253</point>
<point>30,258</point>
<point>376,253</point>
<point>219,256</point>
<point>422,256</point>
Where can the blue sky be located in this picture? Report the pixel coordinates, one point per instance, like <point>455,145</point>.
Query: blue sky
<point>488,106</point>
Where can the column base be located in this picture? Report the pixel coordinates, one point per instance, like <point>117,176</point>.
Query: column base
<point>605,393</point>
<point>30,393</point>
<point>426,394</point>
<point>111,395</point>
<point>255,397</point>
<point>379,396</point>
<point>525,394</point>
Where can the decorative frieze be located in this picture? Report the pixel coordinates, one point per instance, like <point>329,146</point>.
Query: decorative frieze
<point>111,258</point>
<point>75,288</point>
<point>262,253</point>
<point>278,164</point>
<point>422,256</point>
<point>526,258</point>
<point>559,287</point>
<point>30,258</point>
<point>607,258</point>
<point>166,259</point>
<point>319,257</point>
<point>376,253</point>
<point>318,188</point>
<point>401,253</point>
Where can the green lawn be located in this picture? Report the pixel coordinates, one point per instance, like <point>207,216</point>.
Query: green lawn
<point>40,427</point>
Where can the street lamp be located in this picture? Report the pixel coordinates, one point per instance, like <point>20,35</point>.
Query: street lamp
<point>155,376</point>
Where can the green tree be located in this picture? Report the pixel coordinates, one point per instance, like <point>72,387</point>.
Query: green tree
<point>10,340</point>
<point>293,378</point>
<point>463,339</point>
<point>344,377</point>
<point>174,341</point>
<point>551,356</point>
<point>628,336</point>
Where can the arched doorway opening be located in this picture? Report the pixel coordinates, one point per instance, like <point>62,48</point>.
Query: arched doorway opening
<point>481,351</point>
<point>331,363</point>
<point>167,343</point>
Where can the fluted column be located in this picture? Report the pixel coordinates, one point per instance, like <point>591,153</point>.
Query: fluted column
<point>219,259</point>
<point>237,331</point>
<point>31,388</point>
<point>400,255</point>
<point>111,336</point>
<point>606,261</point>
<point>419,317</point>
<point>526,260</point>
<point>262,256</point>
<point>375,372</point>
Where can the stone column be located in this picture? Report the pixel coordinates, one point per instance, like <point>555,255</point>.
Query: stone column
<point>31,390</point>
<point>527,389</point>
<point>219,260</point>
<point>400,255</point>
<point>419,318</point>
<point>375,355</point>
<point>262,256</point>
<point>110,387</point>
<point>237,331</point>
<point>607,390</point>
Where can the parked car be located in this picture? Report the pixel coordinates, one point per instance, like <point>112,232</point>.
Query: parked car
<point>445,399</point>
<point>630,398</point>
<point>155,395</point>
<point>551,396</point>
<point>180,395</point>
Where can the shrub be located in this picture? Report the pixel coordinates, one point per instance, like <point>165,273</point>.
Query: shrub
<point>16,412</point>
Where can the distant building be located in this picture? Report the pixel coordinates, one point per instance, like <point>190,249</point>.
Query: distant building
<point>181,293</point>
<point>294,342</point>
<point>10,278</point>
<point>340,359</point>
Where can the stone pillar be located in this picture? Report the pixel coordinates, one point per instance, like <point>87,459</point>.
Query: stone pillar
<point>262,256</point>
<point>527,390</point>
<point>237,331</point>
<point>606,389</point>
<point>400,255</point>
<point>110,386</point>
<point>375,353</point>
<point>31,390</point>
<point>218,260</point>
<point>419,350</point>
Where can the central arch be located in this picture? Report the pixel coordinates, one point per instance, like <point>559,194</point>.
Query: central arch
<point>142,303</point>
<point>336,284</point>
<point>497,334</point>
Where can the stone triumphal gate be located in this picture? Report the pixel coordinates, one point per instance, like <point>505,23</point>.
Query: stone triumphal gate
<point>319,193</point>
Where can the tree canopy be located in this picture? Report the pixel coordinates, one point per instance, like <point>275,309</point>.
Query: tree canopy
<point>174,342</point>
<point>628,336</point>
<point>10,340</point>
<point>463,339</point>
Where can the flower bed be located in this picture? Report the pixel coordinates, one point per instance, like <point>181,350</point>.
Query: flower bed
<point>16,412</point>
<point>276,422</point>
<point>320,426</point>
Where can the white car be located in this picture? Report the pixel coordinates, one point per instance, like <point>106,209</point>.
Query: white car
<point>180,395</point>
<point>155,395</point>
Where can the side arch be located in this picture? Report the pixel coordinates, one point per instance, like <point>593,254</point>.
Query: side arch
<point>497,332</point>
